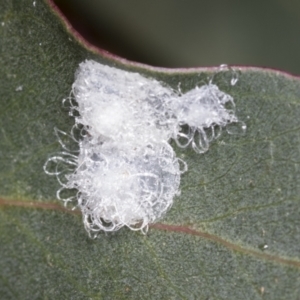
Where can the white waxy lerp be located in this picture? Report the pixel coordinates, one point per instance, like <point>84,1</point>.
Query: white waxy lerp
<point>126,172</point>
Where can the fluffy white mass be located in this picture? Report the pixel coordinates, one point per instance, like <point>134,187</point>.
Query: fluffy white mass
<point>122,106</point>
<point>126,173</point>
<point>120,187</point>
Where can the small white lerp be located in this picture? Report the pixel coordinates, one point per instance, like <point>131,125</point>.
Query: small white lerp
<point>126,172</point>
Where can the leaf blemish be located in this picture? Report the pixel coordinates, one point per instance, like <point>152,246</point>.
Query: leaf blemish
<point>125,171</point>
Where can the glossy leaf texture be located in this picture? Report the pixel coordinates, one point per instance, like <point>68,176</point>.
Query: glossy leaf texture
<point>234,232</point>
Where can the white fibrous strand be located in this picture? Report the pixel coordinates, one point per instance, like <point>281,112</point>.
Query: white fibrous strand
<point>126,173</point>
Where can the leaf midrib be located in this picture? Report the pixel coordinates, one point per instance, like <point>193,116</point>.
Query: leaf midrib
<point>180,229</point>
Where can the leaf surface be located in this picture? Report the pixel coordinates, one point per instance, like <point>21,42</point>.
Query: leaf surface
<point>233,233</point>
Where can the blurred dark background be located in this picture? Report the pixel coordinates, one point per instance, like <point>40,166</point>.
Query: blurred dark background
<point>192,33</point>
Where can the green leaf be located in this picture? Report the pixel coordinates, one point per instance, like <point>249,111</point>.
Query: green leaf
<point>233,233</point>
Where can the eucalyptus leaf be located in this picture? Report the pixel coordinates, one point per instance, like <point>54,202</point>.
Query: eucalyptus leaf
<point>233,233</point>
